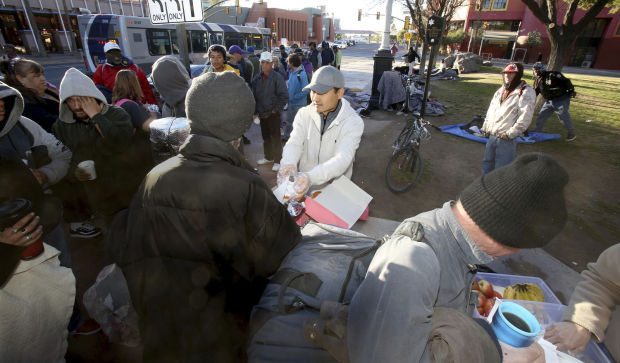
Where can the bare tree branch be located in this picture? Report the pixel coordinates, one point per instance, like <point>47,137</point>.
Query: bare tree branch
<point>538,10</point>
<point>591,14</point>
<point>553,10</point>
<point>570,12</point>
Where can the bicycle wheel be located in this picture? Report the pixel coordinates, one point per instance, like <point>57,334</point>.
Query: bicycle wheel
<point>403,170</point>
<point>399,143</point>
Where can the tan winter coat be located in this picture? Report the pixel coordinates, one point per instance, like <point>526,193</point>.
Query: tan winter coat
<point>594,303</point>
<point>514,115</point>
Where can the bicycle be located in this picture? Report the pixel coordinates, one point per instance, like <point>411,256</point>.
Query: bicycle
<point>406,164</point>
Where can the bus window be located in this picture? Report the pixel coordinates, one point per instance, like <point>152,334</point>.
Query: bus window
<point>215,38</point>
<point>158,42</point>
<point>175,44</point>
<point>256,41</point>
<point>231,39</point>
<point>199,41</point>
<point>266,42</point>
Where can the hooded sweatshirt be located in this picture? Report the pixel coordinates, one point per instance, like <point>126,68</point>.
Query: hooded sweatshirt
<point>172,82</point>
<point>19,134</point>
<point>105,75</point>
<point>105,139</point>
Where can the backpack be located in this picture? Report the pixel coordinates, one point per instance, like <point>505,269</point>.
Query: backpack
<point>327,265</point>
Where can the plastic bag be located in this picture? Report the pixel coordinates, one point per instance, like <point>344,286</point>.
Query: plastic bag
<point>109,303</point>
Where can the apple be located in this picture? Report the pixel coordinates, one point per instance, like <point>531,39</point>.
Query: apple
<point>488,306</point>
<point>486,288</point>
<point>480,310</point>
<point>497,295</point>
<point>474,286</point>
<point>481,298</point>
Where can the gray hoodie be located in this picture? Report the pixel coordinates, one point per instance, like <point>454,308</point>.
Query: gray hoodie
<point>19,134</point>
<point>172,82</point>
<point>76,83</point>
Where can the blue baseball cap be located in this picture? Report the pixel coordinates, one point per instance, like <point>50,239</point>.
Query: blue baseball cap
<point>235,49</point>
<point>250,49</point>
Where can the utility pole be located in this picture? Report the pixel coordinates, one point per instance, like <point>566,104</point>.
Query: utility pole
<point>34,28</point>
<point>183,51</point>
<point>383,59</point>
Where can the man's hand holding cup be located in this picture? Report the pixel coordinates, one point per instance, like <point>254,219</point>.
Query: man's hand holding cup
<point>85,171</point>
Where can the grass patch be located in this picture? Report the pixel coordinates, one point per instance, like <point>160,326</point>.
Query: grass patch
<point>598,100</point>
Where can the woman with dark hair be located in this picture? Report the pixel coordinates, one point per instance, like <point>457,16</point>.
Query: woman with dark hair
<point>217,59</point>
<point>127,94</point>
<point>40,98</point>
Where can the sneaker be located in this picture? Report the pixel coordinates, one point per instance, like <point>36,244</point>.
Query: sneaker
<point>89,327</point>
<point>264,161</point>
<point>275,167</point>
<point>571,137</point>
<point>84,230</point>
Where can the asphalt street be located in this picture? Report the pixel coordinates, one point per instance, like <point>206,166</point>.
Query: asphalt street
<point>55,72</point>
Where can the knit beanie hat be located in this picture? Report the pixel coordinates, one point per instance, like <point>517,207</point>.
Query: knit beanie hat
<point>219,104</point>
<point>520,205</point>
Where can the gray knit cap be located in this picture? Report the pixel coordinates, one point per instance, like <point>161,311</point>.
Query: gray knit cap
<point>219,104</point>
<point>520,205</point>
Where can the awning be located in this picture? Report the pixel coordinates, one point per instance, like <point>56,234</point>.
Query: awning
<point>500,35</point>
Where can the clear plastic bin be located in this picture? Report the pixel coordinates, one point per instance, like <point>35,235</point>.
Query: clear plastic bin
<point>547,314</point>
<point>503,280</point>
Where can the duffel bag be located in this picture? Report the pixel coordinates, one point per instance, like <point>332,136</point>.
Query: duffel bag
<point>328,264</point>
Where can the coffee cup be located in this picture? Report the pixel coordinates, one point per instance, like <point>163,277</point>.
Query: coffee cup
<point>10,213</point>
<point>515,325</point>
<point>88,166</point>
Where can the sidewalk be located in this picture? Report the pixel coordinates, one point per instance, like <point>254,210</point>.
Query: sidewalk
<point>55,59</point>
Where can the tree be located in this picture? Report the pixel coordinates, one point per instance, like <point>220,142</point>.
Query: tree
<point>563,32</point>
<point>534,39</point>
<point>453,37</point>
<point>401,36</point>
<point>421,10</point>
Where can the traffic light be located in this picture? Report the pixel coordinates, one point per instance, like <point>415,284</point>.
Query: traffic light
<point>237,3</point>
<point>378,15</point>
<point>273,26</point>
<point>359,15</point>
<point>260,1</point>
<point>407,23</point>
<point>227,10</point>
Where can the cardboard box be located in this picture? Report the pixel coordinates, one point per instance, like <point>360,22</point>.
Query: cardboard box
<point>341,203</point>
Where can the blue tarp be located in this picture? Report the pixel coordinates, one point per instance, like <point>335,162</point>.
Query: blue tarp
<point>532,138</point>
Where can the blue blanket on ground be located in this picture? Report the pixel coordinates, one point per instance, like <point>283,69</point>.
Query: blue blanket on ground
<point>532,138</point>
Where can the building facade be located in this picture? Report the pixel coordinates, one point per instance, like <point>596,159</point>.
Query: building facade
<point>56,21</point>
<point>597,47</point>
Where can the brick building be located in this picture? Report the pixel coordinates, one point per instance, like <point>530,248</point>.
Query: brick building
<point>508,21</point>
<point>299,27</point>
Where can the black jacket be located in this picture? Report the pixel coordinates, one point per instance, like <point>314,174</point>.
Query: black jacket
<point>552,85</point>
<point>270,93</point>
<point>118,173</point>
<point>196,245</point>
<point>41,110</point>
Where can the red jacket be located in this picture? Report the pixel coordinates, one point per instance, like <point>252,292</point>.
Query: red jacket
<point>105,75</point>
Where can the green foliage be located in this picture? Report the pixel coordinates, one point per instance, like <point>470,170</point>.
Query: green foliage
<point>534,39</point>
<point>401,36</point>
<point>453,37</point>
<point>614,5</point>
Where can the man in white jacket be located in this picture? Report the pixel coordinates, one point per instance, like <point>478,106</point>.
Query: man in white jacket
<point>509,115</point>
<point>325,137</point>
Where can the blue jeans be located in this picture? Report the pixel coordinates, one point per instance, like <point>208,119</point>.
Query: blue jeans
<point>290,117</point>
<point>498,152</point>
<point>56,238</point>
<point>560,106</point>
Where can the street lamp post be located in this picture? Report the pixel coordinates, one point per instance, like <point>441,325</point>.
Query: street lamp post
<point>383,58</point>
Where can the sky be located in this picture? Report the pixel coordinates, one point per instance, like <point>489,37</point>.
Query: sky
<point>345,10</point>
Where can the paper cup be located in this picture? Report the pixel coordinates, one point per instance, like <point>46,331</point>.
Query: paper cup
<point>89,167</point>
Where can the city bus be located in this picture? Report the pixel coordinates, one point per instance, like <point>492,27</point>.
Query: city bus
<point>144,42</point>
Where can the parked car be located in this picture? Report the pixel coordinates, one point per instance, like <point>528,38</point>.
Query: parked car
<point>340,44</point>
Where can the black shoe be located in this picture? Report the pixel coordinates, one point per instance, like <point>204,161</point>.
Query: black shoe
<point>570,137</point>
<point>246,141</point>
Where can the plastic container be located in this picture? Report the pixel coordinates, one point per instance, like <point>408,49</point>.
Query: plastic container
<point>547,314</point>
<point>511,333</point>
<point>502,280</point>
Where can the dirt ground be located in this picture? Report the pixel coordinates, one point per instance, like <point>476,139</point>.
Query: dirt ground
<point>451,163</point>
